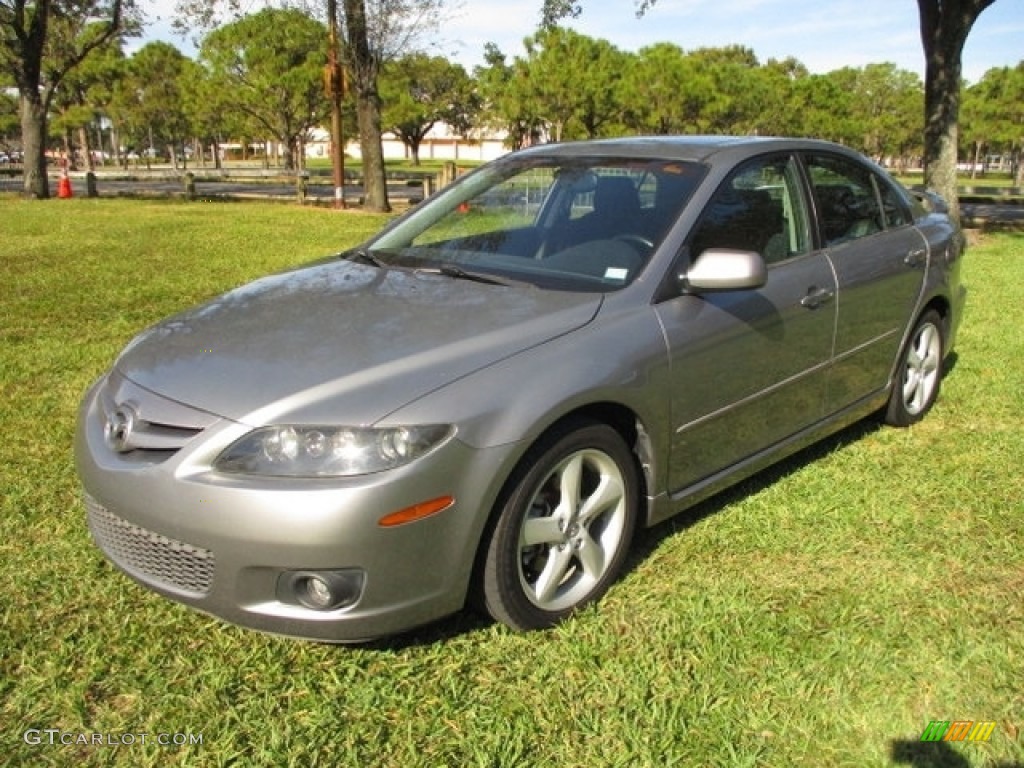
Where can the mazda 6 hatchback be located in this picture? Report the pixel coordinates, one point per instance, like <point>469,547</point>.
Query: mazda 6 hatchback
<point>482,403</point>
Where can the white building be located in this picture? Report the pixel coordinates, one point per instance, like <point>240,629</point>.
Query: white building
<point>439,144</point>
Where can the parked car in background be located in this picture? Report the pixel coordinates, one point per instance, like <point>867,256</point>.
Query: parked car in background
<point>485,400</point>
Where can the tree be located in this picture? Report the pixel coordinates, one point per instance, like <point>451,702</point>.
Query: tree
<point>420,91</point>
<point>8,119</point>
<point>825,105</point>
<point>363,63</point>
<point>372,32</point>
<point>504,107</point>
<point>734,101</point>
<point>889,101</point>
<point>776,86</point>
<point>149,102</point>
<point>85,94</point>
<point>945,25</point>
<point>268,66</point>
<point>571,82</point>
<point>42,41</point>
<point>654,96</point>
<point>667,91</point>
<point>993,112</point>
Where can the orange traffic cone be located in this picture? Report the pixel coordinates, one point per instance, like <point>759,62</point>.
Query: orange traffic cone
<point>64,187</point>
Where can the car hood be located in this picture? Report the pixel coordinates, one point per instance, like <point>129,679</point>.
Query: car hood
<point>342,342</point>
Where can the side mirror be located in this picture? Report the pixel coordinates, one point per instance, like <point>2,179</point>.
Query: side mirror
<point>722,269</point>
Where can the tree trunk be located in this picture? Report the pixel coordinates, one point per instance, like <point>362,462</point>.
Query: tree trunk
<point>942,111</point>
<point>374,170</point>
<point>115,145</point>
<point>71,159</point>
<point>83,139</point>
<point>364,66</point>
<point>945,25</point>
<point>33,144</point>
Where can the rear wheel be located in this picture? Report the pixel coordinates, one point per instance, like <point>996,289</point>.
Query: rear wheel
<point>564,528</point>
<point>919,373</point>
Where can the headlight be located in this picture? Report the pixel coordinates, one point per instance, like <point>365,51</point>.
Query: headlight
<point>301,451</point>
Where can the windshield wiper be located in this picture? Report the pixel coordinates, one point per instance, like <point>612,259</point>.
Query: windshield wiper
<point>366,257</point>
<point>458,273</point>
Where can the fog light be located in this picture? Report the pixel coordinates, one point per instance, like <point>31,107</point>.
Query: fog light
<point>318,592</point>
<point>322,590</point>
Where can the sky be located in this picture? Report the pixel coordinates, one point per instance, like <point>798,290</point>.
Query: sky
<point>824,35</point>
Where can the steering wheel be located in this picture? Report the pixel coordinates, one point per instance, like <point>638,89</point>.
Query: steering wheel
<point>642,244</point>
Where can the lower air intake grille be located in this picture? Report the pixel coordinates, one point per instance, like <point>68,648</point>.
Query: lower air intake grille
<point>150,556</point>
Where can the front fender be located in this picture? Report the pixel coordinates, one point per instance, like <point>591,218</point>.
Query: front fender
<point>620,358</point>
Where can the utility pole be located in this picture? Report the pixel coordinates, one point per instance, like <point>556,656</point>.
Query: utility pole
<point>336,90</point>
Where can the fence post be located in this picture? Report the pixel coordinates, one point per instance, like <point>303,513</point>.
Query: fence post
<point>190,186</point>
<point>90,185</point>
<point>447,173</point>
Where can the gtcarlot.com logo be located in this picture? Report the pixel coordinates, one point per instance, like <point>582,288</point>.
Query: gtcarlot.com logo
<point>58,738</point>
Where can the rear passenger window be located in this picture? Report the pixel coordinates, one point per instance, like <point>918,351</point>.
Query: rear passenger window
<point>759,208</point>
<point>894,207</point>
<point>847,198</point>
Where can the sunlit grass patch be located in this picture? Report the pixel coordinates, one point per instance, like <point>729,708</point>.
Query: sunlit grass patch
<point>822,614</point>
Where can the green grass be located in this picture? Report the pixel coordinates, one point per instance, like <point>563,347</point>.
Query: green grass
<point>820,615</point>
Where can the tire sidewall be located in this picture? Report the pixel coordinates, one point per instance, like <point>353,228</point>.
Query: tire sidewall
<point>896,413</point>
<point>502,591</point>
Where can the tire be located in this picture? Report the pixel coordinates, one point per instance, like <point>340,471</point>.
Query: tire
<point>919,374</point>
<point>563,528</point>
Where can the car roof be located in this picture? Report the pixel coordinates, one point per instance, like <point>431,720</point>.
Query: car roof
<point>698,148</point>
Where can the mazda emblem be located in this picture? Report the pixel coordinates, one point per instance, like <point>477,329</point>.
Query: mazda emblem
<point>118,429</point>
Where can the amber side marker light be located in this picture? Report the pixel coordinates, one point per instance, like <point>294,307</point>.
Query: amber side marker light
<point>416,512</point>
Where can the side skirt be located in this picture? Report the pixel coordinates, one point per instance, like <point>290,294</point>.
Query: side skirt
<point>664,506</point>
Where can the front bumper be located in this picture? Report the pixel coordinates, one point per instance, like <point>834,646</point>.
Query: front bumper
<point>231,545</point>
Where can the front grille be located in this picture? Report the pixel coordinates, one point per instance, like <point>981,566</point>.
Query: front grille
<point>148,555</point>
<point>142,425</point>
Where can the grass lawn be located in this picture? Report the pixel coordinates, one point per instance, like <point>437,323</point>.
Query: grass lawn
<point>820,615</point>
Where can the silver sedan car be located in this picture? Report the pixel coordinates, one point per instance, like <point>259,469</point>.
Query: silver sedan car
<point>482,403</point>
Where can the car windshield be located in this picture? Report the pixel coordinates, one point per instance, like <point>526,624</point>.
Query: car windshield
<point>578,224</point>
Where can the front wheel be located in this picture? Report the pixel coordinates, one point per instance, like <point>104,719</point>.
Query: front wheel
<point>563,529</point>
<point>919,372</point>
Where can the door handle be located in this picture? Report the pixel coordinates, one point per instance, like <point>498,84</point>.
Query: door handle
<point>816,297</point>
<point>915,257</point>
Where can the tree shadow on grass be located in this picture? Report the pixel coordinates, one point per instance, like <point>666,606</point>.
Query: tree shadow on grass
<point>937,754</point>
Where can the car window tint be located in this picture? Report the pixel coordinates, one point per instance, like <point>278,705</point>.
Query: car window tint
<point>894,206</point>
<point>571,223</point>
<point>621,192</point>
<point>620,199</point>
<point>846,197</point>
<point>758,208</point>
<point>508,205</point>
<point>613,194</point>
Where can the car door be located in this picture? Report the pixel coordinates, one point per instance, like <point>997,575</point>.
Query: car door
<point>748,368</point>
<point>880,260</point>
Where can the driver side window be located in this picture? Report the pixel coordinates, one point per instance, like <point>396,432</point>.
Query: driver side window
<point>759,208</point>
<point>846,198</point>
